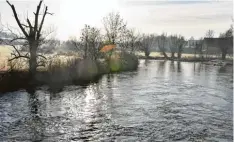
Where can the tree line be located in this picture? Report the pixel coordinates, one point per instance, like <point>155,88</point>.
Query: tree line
<point>91,40</point>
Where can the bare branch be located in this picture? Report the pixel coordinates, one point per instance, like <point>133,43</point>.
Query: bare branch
<point>17,19</point>
<point>41,63</point>
<point>36,15</point>
<point>17,57</point>
<point>16,49</point>
<point>42,21</point>
<point>50,13</point>
<point>41,56</point>
<point>25,25</point>
<point>114,26</point>
<point>29,23</point>
<point>18,38</point>
<point>13,31</point>
<point>209,34</point>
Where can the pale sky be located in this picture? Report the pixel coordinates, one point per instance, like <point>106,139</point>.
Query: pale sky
<point>189,18</point>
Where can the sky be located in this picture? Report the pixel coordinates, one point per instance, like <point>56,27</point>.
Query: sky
<point>185,17</point>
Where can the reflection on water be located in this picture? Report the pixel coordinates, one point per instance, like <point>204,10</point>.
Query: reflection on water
<point>178,67</point>
<point>146,62</point>
<point>162,101</point>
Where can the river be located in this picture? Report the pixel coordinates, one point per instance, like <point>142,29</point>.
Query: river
<point>161,101</point>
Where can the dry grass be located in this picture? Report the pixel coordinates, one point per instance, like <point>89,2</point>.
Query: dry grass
<point>60,72</point>
<point>21,64</point>
<point>57,74</point>
<point>68,53</point>
<point>5,53</point>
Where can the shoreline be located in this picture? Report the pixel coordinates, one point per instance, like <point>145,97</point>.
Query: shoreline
<point>78,72</point>
<point>186,59</point>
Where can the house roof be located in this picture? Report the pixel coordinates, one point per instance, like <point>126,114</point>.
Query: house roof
<point>217,42</point>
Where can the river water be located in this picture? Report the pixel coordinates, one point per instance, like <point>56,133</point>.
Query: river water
<point>161,101</point>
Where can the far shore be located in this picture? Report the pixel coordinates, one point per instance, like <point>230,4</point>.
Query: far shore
<point>229,60</point>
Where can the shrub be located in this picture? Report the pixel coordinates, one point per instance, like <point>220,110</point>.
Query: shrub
<point>123,62</point>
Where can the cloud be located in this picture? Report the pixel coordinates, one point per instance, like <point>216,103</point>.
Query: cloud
<point>187,18</point>
<point>190,18</point>
<point>162,2</point>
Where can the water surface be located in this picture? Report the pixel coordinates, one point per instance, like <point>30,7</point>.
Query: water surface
<point>161,101</point>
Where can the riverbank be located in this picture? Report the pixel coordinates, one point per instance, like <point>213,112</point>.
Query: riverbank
<point>189,59</point>
<point>162,101</point>
<point>74,71</point>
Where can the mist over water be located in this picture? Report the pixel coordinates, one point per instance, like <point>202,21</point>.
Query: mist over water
<point>162,100</point>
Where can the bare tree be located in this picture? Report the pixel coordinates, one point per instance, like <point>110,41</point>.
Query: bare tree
<point>173,45</point>
<point>226,47</point>
<point>85,39</point>
<point>180,45</point>
<point>227,43</point>
<point>95,42</point>
<point>32,34</point>
<point>114,26</point>
<point>129,40</point>
<point>124,40</point>
<point>228,33</point>
<point>90,42</point>
<point>133,40</point>
<point>146,43</point>
<point>161,42</point>
<point>209,34</point>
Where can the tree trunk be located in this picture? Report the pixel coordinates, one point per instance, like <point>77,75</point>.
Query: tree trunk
<point>165,55</point>
<point>172,55</point>
<point>223,55</point>
<point>179,52</point>
<point>147,53</point>
<point>86,50</point>
<point>33,61</point>
<point>179,55</point>
<point>178,66</point>
<point>132,49</point>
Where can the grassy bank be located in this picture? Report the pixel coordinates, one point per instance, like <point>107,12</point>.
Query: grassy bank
<point>184,57</point>
<point>59,73</point>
